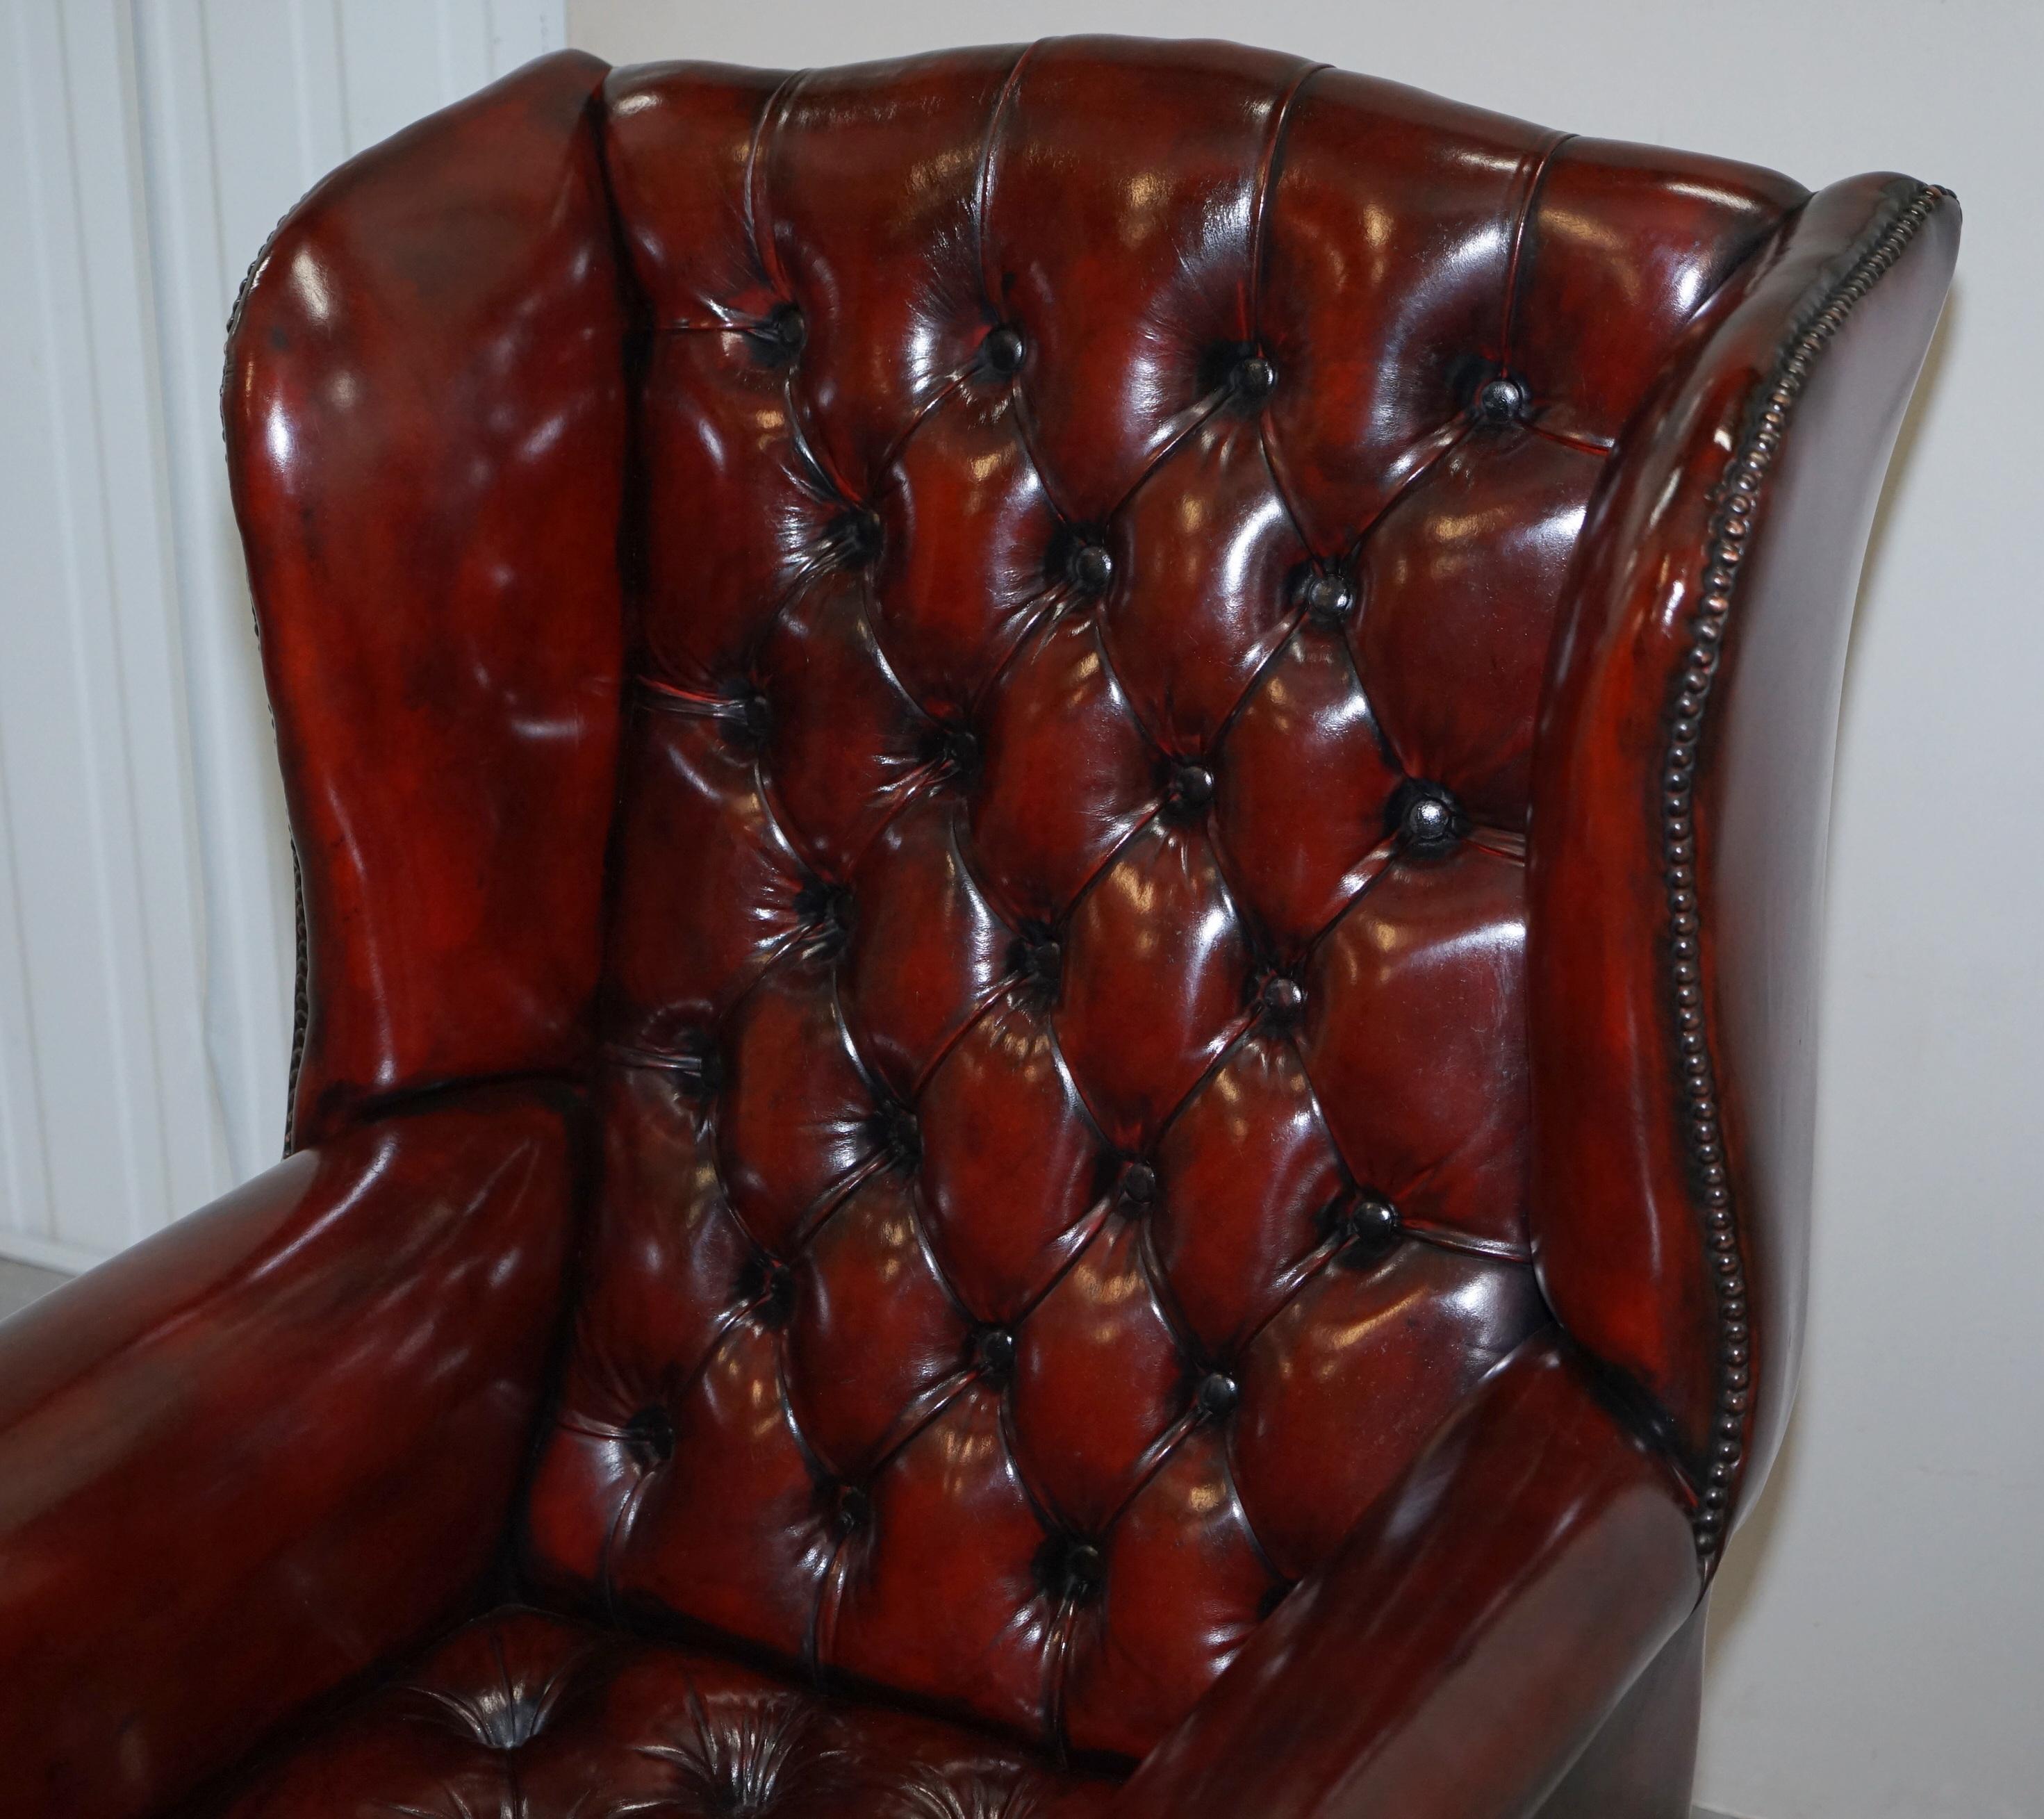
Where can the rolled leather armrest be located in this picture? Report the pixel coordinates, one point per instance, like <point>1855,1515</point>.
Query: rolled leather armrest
<point>1469,1639</point>
<point>243,1460</point>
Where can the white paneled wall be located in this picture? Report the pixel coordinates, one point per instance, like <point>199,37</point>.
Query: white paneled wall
<point>145,912</point>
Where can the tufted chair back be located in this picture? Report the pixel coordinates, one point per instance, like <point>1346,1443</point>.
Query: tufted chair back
<point>1097,519</point>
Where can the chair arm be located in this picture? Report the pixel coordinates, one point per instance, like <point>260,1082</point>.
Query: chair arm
<point>242,1461</point>
<point>1469,1639</point>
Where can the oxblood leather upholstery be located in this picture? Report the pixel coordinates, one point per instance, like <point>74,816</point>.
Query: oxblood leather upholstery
<point>1073,692</point>
<point>243,1461</point>
<point>523,1712</point>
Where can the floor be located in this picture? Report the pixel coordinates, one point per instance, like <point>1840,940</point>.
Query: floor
<point>20,1283</point>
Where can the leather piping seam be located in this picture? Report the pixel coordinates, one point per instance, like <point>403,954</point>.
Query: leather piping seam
<point>1742,487</point>
<point>300,999</point>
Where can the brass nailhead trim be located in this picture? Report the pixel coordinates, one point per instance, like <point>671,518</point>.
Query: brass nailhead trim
<point>1726,547</point>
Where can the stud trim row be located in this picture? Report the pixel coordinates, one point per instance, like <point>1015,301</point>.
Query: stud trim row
<point>1743,485</point>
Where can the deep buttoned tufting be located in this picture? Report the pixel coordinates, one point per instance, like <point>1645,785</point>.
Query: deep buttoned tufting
<point>1060,817</point>
<point>521,1715</point>
<point>1065,1117</point>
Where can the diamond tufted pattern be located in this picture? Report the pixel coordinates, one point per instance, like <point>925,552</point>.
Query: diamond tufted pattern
<point>522,1715</point>
<point>1104,510</point>
<point>1060,814</point>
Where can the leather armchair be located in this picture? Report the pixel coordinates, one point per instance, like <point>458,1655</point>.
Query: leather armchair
<point>1060,814</point>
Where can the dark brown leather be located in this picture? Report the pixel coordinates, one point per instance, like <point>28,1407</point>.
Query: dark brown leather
<point>245,1460</point>
<point>970,645</point>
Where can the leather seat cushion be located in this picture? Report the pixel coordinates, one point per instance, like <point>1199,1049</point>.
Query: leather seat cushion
<point>524,1715</point>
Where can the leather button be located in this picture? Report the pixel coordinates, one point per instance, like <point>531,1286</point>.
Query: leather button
<point>1039,957</point>
<point>754,719</point>
<point>1429,819</point>
<point>1425,817</point>
<point>993,1353</point>
<point>1191,789</point>
<point>508,1720</point>
<point>1139,1184</point>
<point>785,330</point>
<point>1364,1228</point>
<point>649,1438</point>
<point>856,536</point>
<point>1254,379</point>
<point>1216,1395</point>
<point>953,750</point>
<point>1326,595</point>
<point>1005,348</point>
<point>700,1063</point>
<point>828,909</point>
<point>1283,999</point>
<point>853,1512</point>
<point>1502,400</point>
<point>766,1286</point>
<point>897,1135</point>
<point>1071,1569</point>
<point>1091,568</point>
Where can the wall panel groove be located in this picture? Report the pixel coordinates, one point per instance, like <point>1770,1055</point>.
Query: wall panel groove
<point>146,949</point>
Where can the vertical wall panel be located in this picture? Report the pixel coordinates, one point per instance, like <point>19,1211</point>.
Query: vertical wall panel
<point>27,358</point>
<point>146,945</point>
<point>242,108</point>
<point>109,1118</point>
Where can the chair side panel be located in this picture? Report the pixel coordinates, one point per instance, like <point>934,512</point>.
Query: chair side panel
<point>426,424</point>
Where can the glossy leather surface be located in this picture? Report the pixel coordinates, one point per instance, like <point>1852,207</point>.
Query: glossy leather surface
<point>248,1458</point>
<point>1642,1762</point>
<point>1468,1638</point>
<point>426,408</point>
<point>1042,678</point>
<point>1001,821</point>
<point>1615,1209</point>
<point>525,1715</point>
